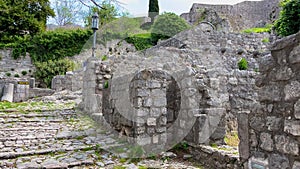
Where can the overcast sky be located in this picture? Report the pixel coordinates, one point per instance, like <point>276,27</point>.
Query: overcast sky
<point>138,7</point>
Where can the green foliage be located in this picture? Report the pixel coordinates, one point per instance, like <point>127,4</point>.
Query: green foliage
<point>23,17</point>
<point>8,74</point>
<point>104,58</point>
<point>24,72</point>
<point>142,41</point>
<point>45,71</point>
<point>51,45</point>
<point>265,40</point>
<point>153,10</point>
<point>106,14</point>
<point>289,19</point>
<point>181,146</point>
<point>120,28</point>
<point>16,75</point>
<point>167,25</point>
<point>259,30</point>
<point>243,64</point>
<point>106,84</point>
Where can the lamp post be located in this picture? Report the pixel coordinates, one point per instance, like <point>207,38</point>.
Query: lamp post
<point>95,25</point>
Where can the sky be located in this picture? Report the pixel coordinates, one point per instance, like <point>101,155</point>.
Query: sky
<point>138,7</point>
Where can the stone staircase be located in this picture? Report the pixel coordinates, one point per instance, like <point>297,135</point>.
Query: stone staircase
<point>52,139</point>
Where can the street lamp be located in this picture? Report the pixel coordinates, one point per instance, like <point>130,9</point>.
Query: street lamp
<point>95,25</point>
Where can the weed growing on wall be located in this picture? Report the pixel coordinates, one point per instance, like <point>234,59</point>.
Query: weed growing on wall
<point>243,64</point>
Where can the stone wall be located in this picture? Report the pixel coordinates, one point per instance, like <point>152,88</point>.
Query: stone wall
<point>21,88</point>
<point>11,66</point>
<point>71,81</point>
<point>240,16</point>
<point>270,131</point>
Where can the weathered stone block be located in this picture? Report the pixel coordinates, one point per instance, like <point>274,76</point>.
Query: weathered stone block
<point>155,112</point>
<point>151,121</point>
<point>292,90</point>
<point>163,120</point>
<point>257,123</point>
<point>147,102</point>
<point>292,127</point>
<point>277,161</point>
<point>297,109</point>
<point>295,55</point>
<point>160,102</point>
<point>142,112</point>
<point>154,84</point>
<point>286,145</point>
<point>273,123</point>
<point>243,130</point>
<point>266,141</point>
<point>158,93</point>
<point>142,92</point>
<point>269,93</point>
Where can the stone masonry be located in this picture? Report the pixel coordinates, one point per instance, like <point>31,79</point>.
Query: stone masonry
<point>236,17</point>
<point>270,131</point>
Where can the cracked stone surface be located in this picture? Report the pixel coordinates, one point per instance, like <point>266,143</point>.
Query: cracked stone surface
<point>60,138</point>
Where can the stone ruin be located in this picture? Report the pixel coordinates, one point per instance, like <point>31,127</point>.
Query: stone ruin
<point>189,87</point>
<point>244,15</point>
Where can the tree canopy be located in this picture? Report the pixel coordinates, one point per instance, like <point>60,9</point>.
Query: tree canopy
<point>19,17</point>
<point>168,24</point>
<point>289,19</point>
<point>153,9</point>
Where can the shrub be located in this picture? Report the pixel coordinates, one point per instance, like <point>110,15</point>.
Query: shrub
<point>16,75</point>
<point>24,72</point>
<point>45,71</point>
<point>243,64</point>
<point>289,18</point>
<point>168,24</point>
<point>8,74</point>
<point>142,41</point>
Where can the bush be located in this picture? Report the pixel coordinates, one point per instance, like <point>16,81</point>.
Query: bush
<point>289,19</point>
<point>24,72</point>
<point>45,71</point>
<point>16,75</point>
<point>141,41</point>
<point>243,64</point>
<point>167,25</point>
<point>8,74</point>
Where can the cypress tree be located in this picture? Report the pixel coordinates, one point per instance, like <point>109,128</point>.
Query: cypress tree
<point>153,9</point>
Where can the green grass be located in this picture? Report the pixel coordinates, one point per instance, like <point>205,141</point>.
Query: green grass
<point>259,30</point>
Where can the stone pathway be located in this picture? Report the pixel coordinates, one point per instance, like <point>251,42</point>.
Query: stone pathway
<point>61,139</point>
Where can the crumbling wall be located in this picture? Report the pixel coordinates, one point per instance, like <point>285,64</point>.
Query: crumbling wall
<point>240,16</point>
<point>270,131</point>
<point>71,81</point>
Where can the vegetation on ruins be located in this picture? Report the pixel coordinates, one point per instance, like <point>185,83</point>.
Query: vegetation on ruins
<point>267,28</point>
<point>243,64</point>
<point>289,19</point>
<point>167,25</point>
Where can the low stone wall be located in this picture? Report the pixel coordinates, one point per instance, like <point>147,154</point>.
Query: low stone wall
<point>21,88</point>
<point>71,81</point>
<point>270,132</point>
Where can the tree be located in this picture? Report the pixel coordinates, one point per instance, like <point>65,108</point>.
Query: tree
<point>67,11</point>
<point>106,14</point>
<point>20,17</point>
<point>153,9</point>
<point>168,24</point>
<point>289,19</point>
